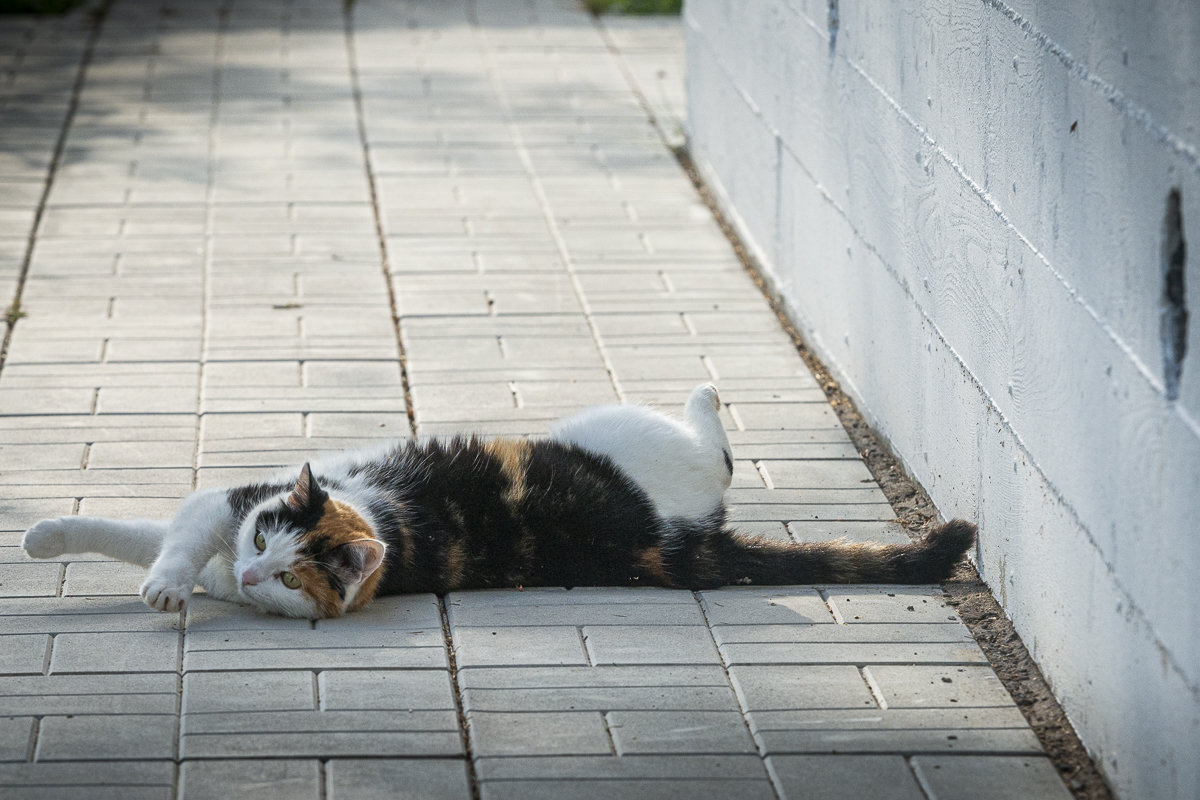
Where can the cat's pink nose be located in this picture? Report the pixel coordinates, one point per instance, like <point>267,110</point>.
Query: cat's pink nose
<point>250,577</point>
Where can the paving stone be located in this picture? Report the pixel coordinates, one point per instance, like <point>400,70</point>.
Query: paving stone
<point>497,733</point>
<point>210,692</point>
<point>847,777</point>
<point>924,686</point>
<point>518,646</point>
<point>1001,730</point>
<point>989,777</point>
<point>679,732</point>
<point>81,615</point>
<point>659,644</point>
<point>89,694</point>
<point>16,738</point>
<point>108,736</point>
<point>848,644</point>
<point>397,779</point>
<point>893,604</point>
<point>763,688</point>
<point>220,780</point>
<point>636,688</point>
<point>649,789</point>
<point>401,690</point>
<point>298,648</point>
<point>115,652</point>
<point>736,605</point>
<point>319,734</point>
<point>109,780</point>
<point>95,578</point>
<point>30,579</point>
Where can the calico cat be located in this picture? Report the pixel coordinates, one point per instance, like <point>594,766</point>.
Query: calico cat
<point>617,495</point>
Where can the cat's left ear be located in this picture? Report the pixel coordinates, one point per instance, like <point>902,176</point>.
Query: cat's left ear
<point>359,559</point>
<point>307,493</point>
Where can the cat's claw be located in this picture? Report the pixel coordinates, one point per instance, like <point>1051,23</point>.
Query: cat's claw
<point>46,539</point>
<point>164,595</point>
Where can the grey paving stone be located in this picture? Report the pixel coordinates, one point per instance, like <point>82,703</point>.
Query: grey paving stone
<point>924,686</point>
<point>636,688</point>
<point>313,650</point>
<point>947,643</point>
<point>989,777</point>
<point>96,578</point>
<point>36,579</point>
<point>498,733</point>
<point>735,605</point>
<point>319,734</point>
<point>401,690</point>
<point>653,732</point>
<point>89,694</point>
<point>121,736</point>
<point>86,779</point>
<point>893,604</point>
<point>211,692</point>
<point>649,789</point>
<point>81,615</point>
<point>743,767</point>
<point>397,779</point>
<point>152,651</point>
<point>518,646</point>
<point>886,532</point>
<point>220,780</point>
<point>16,738</point>
<point>584,606</point>
<point>659,644</point>
<point>847,777</point>
<point>763,688</point>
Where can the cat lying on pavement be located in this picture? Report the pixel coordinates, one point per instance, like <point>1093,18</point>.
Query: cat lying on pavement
<point>617,495</point>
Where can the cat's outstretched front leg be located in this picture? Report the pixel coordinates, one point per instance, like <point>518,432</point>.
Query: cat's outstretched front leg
<point>204,525</point>
<point>137,541</point>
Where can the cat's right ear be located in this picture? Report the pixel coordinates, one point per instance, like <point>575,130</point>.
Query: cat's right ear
<point>306,492</point>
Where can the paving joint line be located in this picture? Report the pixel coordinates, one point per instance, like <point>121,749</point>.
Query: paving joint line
<point>772,778</point>
<point>14,312</point>
<point>373,190</point>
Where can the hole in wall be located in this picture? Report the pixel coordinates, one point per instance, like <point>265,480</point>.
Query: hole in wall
<point>1172,307</point>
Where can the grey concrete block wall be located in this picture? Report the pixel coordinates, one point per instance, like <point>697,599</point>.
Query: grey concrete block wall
<point>969,209</point>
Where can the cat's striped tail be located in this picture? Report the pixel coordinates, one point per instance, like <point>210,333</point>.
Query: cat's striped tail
<point>761,561</point>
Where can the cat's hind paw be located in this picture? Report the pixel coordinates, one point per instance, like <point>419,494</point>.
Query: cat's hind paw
<point>165,595</point>
<point>46,539</point>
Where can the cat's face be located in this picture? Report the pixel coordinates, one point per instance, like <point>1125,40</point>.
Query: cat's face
<point>306,555</point>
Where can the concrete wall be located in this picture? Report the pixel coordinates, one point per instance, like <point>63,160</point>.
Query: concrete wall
<point>975,210</point>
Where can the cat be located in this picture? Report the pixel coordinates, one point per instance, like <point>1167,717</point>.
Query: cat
<point>616,495</point>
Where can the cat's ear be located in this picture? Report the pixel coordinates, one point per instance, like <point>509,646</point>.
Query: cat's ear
<point>306,493</point>
<point>358,560</point>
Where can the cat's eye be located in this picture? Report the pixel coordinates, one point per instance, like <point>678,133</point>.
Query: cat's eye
<point>260,541</point>
<point>290,580</point>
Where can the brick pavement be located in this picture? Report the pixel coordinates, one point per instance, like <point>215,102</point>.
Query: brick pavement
<point>253,206</point>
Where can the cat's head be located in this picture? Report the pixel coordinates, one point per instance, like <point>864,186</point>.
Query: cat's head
<point>305,554</point>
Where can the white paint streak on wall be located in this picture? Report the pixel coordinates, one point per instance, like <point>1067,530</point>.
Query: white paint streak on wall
<point>964,208</point>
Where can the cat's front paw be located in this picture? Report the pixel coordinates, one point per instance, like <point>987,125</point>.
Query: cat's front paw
<point>46,539</point>
<point>164,594</point>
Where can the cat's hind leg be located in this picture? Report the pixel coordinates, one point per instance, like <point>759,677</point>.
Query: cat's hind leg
<point>683,466</point>
<point>703,414</point>
<point>137,541</point>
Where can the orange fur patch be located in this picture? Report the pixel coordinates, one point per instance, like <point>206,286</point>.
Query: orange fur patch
<point>512,455</point>
<point>455,567</point>
<point>341,525</point>
<point>650,561</point>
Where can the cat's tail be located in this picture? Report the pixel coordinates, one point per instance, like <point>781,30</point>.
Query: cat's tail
<point>758,560</point>
<point>703,554</point>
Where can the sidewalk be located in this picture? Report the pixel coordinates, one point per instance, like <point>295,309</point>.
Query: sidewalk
<point>206,300</point>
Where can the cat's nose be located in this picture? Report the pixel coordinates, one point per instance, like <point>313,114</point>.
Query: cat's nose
<point>250,577</point>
